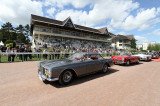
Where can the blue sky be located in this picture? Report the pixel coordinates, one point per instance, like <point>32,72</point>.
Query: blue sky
<point>138,17</point>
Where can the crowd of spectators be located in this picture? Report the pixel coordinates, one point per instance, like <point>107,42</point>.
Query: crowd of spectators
<point>54,53</point>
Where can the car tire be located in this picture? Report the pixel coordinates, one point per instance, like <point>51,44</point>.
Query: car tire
<point>105,68</point>
<point>128,62</point>
<point>66,77</point>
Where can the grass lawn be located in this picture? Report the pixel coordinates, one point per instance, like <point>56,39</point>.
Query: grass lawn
<point>4,58</point>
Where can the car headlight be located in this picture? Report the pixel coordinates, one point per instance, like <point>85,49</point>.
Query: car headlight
<point>48,73</point>
<point>145,57</point>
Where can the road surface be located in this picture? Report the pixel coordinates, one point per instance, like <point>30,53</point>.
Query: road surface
<point>135,85</point>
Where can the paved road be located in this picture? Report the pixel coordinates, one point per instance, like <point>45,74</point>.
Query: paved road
<point>136,85</point>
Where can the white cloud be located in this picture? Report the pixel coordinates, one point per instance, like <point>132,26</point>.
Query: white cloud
<point>121,33</point>
<point>140,39</point>
<point>102,10</point>
<point>118,11</point>
<point>51,11</point>
<point>76,16</point>
<point>155,32</point>
<point>62,3</point>
<point>143,20</point>
<point>19,11</point>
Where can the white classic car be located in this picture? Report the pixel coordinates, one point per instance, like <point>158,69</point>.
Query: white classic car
<point>144,56</point>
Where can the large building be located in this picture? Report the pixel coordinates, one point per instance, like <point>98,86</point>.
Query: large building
<point>122,42</point>
<point>52,33</point>
<point>146,44</point>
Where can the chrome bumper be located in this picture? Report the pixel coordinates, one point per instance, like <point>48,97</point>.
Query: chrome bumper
<point>49,79</point>
<point>119,62</point>
<point>145,58</point>
<point>43,76</point>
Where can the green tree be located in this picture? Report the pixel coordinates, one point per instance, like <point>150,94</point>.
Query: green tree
<point>6,31</point>
<point>149,47</point>
<point>10,34</point>
<point>133,44</point>
<point>20,30</point>
<point>27,33</point>
<point>155,47</point>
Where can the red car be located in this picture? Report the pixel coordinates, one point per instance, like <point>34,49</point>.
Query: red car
<point>125,59</point>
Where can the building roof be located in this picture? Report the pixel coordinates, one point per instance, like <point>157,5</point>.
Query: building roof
<point>61,23</point>
<point>120,37</point>
<point>111,34</point>
<point>102,30</point>
<point>131,37</point>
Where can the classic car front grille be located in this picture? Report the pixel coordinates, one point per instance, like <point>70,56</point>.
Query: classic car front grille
<point>119,60</point>
<point>43,71</point>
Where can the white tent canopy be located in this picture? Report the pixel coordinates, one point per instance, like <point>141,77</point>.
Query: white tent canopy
<point>1,43</point>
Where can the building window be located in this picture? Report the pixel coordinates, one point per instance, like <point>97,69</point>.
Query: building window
<point>120,44</point>
<point>120,41</point>
<point>43,30</point>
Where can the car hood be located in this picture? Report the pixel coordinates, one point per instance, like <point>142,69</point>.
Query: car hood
<point>55,63</point>
<point>119,57</point>
<point>142,55</point>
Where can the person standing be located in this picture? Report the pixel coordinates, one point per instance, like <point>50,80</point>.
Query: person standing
<point>25,55</point>
<point>9,55</point>
<point>13,54</point>
<point>30,55</point>
<point>50,54</point>
<point>58,55</point>
<point>45,54</point>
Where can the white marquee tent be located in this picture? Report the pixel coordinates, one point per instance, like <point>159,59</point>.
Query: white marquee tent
<point>1,43</point>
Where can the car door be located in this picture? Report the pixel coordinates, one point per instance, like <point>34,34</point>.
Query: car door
<point>81,67</point>
<point>93,65</point>
<point>132,58</point>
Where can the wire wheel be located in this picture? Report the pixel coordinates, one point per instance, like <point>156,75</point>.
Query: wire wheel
<point>67,76</point>
<point>128,62</point>
<point>105,68</point>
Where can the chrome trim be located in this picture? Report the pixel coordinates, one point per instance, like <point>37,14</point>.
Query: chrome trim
<point>49,79</point>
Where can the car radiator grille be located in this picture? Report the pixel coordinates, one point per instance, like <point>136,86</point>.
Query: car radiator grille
<point>42,70</point>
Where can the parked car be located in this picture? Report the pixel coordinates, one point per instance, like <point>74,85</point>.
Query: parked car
<point>78,64</point>
<point>144,56</point>
<point>125,58</point>
<point>155,55</point>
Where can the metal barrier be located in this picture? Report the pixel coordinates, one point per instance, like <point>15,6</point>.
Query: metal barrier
<point>52,55</point>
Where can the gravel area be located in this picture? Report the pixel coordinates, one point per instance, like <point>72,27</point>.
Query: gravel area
<point>135,85</point>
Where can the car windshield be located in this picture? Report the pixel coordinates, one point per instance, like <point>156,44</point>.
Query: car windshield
<point>141,53</point>
<point>124,54</point>
<point>76,55</point>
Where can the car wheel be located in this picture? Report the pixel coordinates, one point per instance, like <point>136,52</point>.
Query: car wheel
<point>105,68</point>
<point>66,77</point>
<point>138,61</point>
<point>128,62</point>
<point>40,77</point>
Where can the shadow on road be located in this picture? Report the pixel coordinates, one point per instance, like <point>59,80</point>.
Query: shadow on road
<point>83,79</point>
<point>132,64</point>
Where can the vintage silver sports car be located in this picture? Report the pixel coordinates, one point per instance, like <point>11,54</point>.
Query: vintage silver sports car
<point>78,64</point>
<point>144,56</point>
